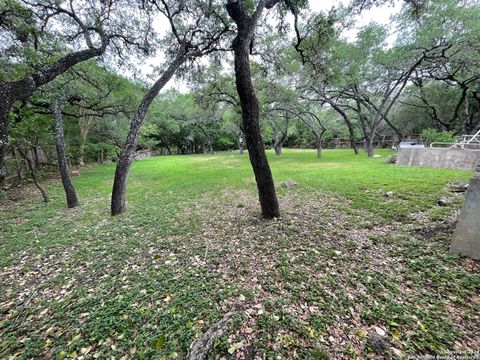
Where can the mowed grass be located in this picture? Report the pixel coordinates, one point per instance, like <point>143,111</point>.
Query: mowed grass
<point>79,283</point>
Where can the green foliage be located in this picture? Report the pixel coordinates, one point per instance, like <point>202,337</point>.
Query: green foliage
<point>138,285</point>
<point>433,135</point>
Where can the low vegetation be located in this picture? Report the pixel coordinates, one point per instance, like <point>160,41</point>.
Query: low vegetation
<point>361,248</point>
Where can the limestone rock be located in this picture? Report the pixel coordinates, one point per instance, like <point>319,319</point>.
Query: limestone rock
<point>444,201</point>
<point>458,186</point>
<point>392,159</point>
<point>379,343</point>
<point>289,183</point>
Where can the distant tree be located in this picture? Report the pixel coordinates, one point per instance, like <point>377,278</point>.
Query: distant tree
<point>448,82</point>
<point>41,34</point>
<point>197,29</point>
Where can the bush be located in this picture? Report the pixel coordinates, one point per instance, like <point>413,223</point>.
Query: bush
<point>433,135</point>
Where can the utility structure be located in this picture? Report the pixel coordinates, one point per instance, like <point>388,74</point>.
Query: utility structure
<point>466,239</point>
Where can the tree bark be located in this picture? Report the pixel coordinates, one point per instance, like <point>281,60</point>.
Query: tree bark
<point>33,172</point>
<point>13,91</point>
<point>72,200</point>
<point>369,146</point>
<point>318,141</point>
<point>240,146</point>
<point>351,129</point>
<point>4,110</point>
<point>118,204</point>
<point>277,145</point>
<point>368,129</point>
<point>84,122</point>
<point>279,141</point>
<point>250,108</point>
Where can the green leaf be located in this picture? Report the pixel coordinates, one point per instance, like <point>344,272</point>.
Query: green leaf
<point>160,342</point>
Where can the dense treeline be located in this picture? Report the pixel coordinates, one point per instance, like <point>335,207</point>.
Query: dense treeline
<point>61,88</point>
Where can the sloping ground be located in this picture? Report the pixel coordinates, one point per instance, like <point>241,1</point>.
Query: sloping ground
<point>318,283</point>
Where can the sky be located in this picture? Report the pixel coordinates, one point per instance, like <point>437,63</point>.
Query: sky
<point>380,15</point>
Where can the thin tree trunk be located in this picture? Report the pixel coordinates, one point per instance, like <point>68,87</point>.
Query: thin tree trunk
<point>278,144</point>
<point>353,143</point>
<point>369,146</point>
<point>319,148</point>
<point>72,200</point>
<point>85,122</point>
<point>278,149</point>
<point>4,110</point>
<point>81,150</point>
<point>251,112</point>
<point>118,204</point>
<point>351,129</point>
<point>33,172</point>
<point>240,145</point>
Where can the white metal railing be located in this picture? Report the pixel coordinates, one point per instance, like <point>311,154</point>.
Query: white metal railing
<point>468,142</point>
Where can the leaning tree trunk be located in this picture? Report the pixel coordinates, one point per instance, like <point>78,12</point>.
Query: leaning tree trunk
<point>249,104</point>
<point>251,126</point>
<point>4,110</point>
<point>118,204</point>
<point>11,92</point>
<point>351,129</point>
<point>278,144</point>
<point>33,172</point>
<point>353,143</point>
<point>72,200</point>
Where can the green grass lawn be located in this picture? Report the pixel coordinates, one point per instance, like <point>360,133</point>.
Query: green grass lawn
<point>343,261</point>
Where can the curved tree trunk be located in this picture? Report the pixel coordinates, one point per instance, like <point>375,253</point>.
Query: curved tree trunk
<point>251,110</point>
<point>72,200</point>
<point>278,144</point>
<point>251,125</point>
<point>353,143</point>
<point>33,172</point>
<point>13,91</point>
<point>351,129</point>
<point>5,105</point>
<point>118,204</point>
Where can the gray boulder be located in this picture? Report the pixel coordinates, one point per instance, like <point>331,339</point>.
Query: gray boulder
<point>444,201</point>
<point>458,186</point>
<point>289,183</point>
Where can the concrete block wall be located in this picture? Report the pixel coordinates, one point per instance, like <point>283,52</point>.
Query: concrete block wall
<point>439,158</point>
<point>466,239</point>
